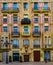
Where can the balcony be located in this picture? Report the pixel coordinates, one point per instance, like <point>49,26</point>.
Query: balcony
<point>47,10</point>
<point>25,34</point>
<point>15,34</point>
<point>9,10</point>
<point>47,47</point>
<point>15,46</point>
<point>36,34</point>
<point>41,10</point>
<point>36,46</point>
<point>36,10</point>
<point>25,21</point>
<point>5,47</point>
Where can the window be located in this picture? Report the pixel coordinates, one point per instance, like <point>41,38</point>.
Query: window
<point>5,6</point>
<point>45,19</point>
<point>25,28</point>
<point>26,42</point>
<point>6,38</point>
<point>45,5</point>
<point>36,5</point>
<point>46,28</point>
<point>15,29</point>
<point>25,6</point>
<point>36,20</point>
<point>4,20</point>
<point>45,40</point>
<point>15,18</point>
<point>5,29</point>
<point>2,43</point>
<point>49,41</point>
<point>15,43</point>
<point>15,6</point>
<point>36,28</point>
<point>36,43</point>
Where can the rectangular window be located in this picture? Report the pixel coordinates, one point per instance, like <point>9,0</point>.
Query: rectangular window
<point>46,19</point>
<point>46,28</point>
<point>15,43</point>
<point>45,5</point>
<point>4,20</point>
<point>2,42</point>
<point>45,41</point>
<point>5,29</point>
<point>26,29</point>
<point>15,29</point>
<point>36,29</point>
<point>5,6</point>
<point>15,18</point>
<point>35,5</point>
<point>26,42</point>
<point>25,6</point>
<point>36,44</point>
<point>15,6</point>
<point>35,20</point>
<point>49,41</point>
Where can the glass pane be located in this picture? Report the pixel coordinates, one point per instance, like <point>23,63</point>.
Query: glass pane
<point>45,19</point>
<point>15,29</point>
<point>49,41</point>
<point>35,28</point>
<point>25,5</point>
<point>15,19</point>
<point>35,19</point>
<point>5,29</point>
<point>26,42</point>
<point>46,28</point>
<point>36,42</point>
<point>15,43</point>
<point>45,6</point>
<point>5,20</point>
<point>5,6</point>
<point>36,5</point>
<point>25,28</point>
<point>15,6</point>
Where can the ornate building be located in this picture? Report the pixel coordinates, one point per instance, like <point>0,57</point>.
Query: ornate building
<point>26,30</point>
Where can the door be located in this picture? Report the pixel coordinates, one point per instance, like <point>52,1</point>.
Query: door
<point>26,58</point>
<point>5,57</point>
<point>46,55</point>
<point>36,55</point>
<point>15,56</point>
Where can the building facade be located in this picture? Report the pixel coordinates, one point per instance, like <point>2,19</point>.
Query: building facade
<point>26,30</point>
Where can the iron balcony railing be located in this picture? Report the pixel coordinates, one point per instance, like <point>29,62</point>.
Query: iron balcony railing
<point>10,10</point>
<point>36,33</point>
<point>15,33</point>
<point>43,9</point>
<point>36,46</point>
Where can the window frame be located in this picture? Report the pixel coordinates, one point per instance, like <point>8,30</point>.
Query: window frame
<point>25,29</point>
<point>26,42</point>
<point>6,29</point>
<point>25,6</point>
<point>15,45</point>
